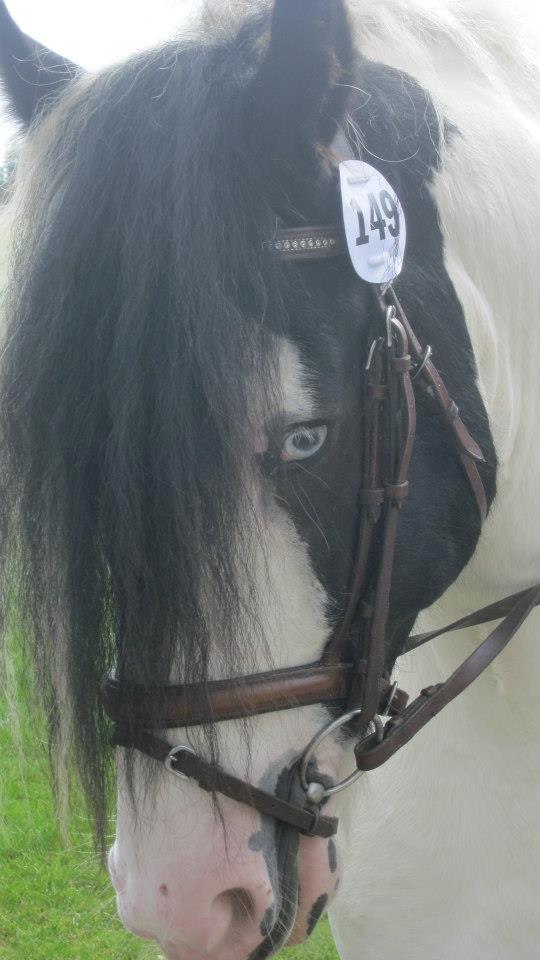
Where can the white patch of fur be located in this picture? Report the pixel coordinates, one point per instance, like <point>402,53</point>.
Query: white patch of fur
<point>298,399</point>
<point>443,844</point>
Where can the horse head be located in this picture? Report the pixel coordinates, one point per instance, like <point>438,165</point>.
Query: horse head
<point>183,424</point>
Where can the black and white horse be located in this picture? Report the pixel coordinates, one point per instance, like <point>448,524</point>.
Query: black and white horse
<point>180,433</point>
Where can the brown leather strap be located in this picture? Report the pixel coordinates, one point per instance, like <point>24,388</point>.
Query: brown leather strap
<point>377,435</point>
<point>494,611</point>
<point>399,440</point>
<point>307,820</point>
<point>476,483</point>
<point>188,705</point>
<point>433,699</point>
<point>431,375</point>
<point>468,449</point>
<point>370,500</point>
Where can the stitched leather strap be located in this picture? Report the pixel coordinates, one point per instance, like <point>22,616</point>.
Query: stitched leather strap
<point>188,705</point>
<point>370,500</point>
<point>399,434</point>
<point>212,778</point>
<point>468,449</point>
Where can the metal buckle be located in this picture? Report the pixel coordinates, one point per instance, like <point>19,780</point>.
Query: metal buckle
<point>182,748</point>
<point>427,356</point>
<point>390,316</point>
<point>371,353</point>
<point>317,796</point>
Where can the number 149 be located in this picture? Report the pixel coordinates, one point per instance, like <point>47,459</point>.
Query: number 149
<point>378,221</point>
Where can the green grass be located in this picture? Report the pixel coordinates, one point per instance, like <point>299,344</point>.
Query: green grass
<point>55,902</point>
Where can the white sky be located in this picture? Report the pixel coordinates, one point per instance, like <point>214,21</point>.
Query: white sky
<point>95,32</point>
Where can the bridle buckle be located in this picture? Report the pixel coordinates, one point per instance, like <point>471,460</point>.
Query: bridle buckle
<point>171,756</point>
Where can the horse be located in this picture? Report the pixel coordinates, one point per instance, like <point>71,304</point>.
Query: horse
<point>187,412</point>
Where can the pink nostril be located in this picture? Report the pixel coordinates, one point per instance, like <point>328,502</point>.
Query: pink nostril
<point>206,918</point>
<point>241,903</point>
<point>232,927</point>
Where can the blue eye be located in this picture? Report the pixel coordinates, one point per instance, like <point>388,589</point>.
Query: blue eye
<point>303,442</point>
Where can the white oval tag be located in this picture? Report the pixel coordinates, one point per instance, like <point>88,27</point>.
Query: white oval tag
<point>374,222</point>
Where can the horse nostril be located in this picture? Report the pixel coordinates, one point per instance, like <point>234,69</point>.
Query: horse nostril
<point>241,903</point>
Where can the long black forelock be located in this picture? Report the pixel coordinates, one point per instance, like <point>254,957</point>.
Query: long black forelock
<point>138,309</point>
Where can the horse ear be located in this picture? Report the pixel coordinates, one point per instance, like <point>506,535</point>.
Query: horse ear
<point>32,75</point>
<point>300,93</point>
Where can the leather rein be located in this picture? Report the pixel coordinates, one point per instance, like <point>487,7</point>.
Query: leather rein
<point>354,684</point>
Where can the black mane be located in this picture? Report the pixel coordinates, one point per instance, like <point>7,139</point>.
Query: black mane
<point>140,330</point>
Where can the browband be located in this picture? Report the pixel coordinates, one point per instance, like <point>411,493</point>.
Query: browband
<point>307,243</point>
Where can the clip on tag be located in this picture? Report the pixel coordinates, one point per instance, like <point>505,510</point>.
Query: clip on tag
<point>374,222</point>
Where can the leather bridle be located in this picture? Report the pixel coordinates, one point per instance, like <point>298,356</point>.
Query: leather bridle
<point>350,676</point>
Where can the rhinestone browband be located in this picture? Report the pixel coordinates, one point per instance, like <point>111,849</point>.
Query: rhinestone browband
<point>307,243</point>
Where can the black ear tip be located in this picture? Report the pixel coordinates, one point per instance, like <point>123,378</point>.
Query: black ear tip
<point>324,20</point>
<point>32,75</point>
<point>301,91</point>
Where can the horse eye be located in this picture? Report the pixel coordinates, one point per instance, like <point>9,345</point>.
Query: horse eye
<point>303,442</point>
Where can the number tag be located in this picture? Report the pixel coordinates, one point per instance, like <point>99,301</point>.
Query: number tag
<point>374,222</point>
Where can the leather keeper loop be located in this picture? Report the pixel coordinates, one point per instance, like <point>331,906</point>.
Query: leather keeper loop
<point>377,391</point>
<point>371,497</point>
<point>402,364</point>
<point>396,491</point>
